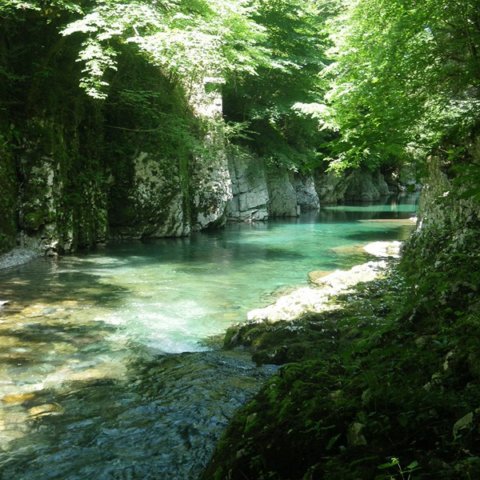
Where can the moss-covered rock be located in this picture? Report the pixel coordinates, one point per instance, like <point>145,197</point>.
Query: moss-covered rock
<point>382,386</point>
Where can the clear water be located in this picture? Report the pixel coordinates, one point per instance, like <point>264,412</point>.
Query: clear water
<point>107,367</point>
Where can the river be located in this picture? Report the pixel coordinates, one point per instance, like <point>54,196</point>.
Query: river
<point>110,366</point>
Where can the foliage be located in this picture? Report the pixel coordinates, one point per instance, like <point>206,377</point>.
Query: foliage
<point>296,38</point>
<point>186,40</point>
<point>269,51</point>
<point>405,78</point>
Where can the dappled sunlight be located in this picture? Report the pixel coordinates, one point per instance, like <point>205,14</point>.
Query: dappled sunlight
<point>44,347</point>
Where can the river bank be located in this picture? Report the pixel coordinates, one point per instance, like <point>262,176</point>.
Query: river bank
<point>288,320</point>
<point>385,385</point>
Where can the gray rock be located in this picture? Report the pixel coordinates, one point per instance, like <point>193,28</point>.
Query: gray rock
<point>358,185</point>
<point>213,188</point>
<point>307,197</point>
<point>17,256</point>
<point>282,194</point>
<point>211,180</point>
<point>363,186</point>
<point>330,187</point>
<point>249,188</point>
<point>156,198</point>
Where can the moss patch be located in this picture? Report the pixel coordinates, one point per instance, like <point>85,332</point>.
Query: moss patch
<point>396,390</point>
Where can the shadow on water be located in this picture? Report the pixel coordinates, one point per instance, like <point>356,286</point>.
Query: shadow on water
<point>393,233</point>
<point>33,283</point>
<point>205,249</point>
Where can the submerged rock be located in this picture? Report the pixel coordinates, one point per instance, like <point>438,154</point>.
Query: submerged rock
<point>17,398</point>
<point>46,409</point>
<point>317,274</point>
<point>359,185</point>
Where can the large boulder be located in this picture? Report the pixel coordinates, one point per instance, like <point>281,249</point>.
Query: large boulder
<point>307,196</point>
<point>357,186</point>
<point>330,187</point>
<point>282,194</point>
<point>365,186</point>
<point>249,188</point>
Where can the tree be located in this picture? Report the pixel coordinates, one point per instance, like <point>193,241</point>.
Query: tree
<point>268,102</point>
<point>406,77</point>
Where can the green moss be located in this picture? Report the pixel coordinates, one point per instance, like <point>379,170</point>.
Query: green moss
<point>8,202</point>
<point>394,382</point>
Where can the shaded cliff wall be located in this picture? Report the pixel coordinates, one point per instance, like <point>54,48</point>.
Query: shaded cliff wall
<point>8,188</point>
<point>52,144</point>
<point>357,185</point>
<point>147,162</point>
<point>441,255</point>
<point>261,191</point>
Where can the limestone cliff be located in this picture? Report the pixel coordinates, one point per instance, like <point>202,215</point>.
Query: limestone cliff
<point>263,191</point>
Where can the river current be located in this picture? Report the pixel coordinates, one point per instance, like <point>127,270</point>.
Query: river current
<point>110,366</point>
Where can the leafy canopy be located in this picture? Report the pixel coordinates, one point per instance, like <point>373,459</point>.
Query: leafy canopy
<point>406,77</point>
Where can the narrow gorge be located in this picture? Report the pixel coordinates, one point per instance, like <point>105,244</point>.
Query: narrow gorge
<point>239,239</point>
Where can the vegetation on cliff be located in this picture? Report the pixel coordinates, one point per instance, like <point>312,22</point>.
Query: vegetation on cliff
<point>90,87</point>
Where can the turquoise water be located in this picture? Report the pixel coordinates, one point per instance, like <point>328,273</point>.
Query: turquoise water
<point>104,364</point>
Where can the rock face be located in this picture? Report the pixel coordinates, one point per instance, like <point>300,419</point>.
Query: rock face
<point>8,189</point>
<point>359,185</point>
<point>75,182</point>
<point>365,186</point>
<point>212,187</point>
<point>307,196</point>
<point>153,205</point>
<point>330,187</point>
<point>384,249</point>
<point>249,188</point>
<point>166,190</point>
<point>282,194</point>
<point>448,222</point>
<point>61,206</point>
<point>261,192</point>
<point>210,180</point>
